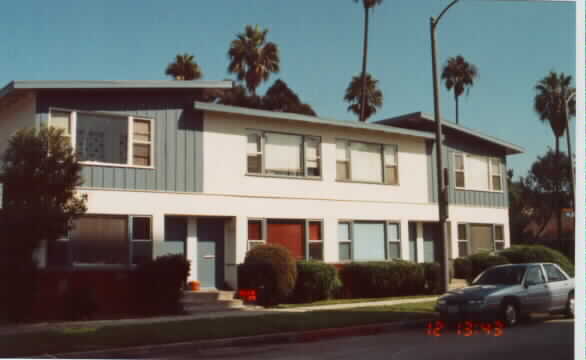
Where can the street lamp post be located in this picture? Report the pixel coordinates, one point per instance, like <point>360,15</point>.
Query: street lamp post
<point>441,183</point>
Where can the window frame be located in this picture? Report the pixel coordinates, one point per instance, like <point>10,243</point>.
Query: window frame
<point>495,240</point>
<point>132,240</point>
<point>489,160</point>
<point>308,241</point>
<point>381,146</point>
<point>466,241</point>
<point>263,233</point>
<point>388,241</point>
<point>130,148</point>
<point>262,153</point>
<point>545,267</point>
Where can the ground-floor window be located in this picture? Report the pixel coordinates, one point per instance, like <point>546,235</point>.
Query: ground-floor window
<point>369,240</point>
<point>105,240</point>
<point>100,239</point>
<point>303,238</point>
<point>475,238</point>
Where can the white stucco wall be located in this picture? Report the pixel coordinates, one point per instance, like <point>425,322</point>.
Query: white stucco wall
<point>224,162</point>
<point>237,210</point>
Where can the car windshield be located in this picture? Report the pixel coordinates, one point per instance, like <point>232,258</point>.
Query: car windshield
<point>501,276</point>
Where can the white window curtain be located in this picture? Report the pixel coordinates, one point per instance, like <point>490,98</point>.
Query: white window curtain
<point>366,162</point>
<point>477,173</point>
<point>283,154</point>
<point>341,150</point>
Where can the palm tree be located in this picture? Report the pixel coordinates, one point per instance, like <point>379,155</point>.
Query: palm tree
<point>459,75</point>
<point>367,4</point>
<point>374,97</point>
<point>184,67</point>
<point>252,58</point>
<point>553,92</point>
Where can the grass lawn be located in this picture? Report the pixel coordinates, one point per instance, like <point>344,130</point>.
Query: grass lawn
<point>350,301</point>
<point>81,339</point>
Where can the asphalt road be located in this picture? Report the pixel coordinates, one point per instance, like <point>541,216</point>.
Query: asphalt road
<point>551,338</point>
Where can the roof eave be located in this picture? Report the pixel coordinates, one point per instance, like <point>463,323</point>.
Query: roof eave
<point>309,119</point>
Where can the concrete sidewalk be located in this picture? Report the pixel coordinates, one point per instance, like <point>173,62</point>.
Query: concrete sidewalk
<point>247,312</point>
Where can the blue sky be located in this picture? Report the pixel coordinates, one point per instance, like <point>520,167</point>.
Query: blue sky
<point>512,44</point>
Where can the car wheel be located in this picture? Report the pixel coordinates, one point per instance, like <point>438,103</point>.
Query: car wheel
<point>570,306</point>
<point>510,314</point>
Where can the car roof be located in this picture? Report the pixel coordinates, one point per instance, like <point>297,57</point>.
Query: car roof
<point>524,264</point>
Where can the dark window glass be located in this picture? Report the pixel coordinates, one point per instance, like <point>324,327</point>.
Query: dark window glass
<point>102,138</point>
<point>553,274</point>
<point>141,228</point>
<point>508,275</point>
<point>316,251</point>
<point>254,230</point>
<point>100,240</point>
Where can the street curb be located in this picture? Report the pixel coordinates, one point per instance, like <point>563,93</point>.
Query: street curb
<point>287,337</point>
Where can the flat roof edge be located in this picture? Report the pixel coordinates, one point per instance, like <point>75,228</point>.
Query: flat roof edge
<point>120,84</point>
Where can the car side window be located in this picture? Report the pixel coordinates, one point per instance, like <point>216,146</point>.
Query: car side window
<point>553,274</point>
<point>534,276</point>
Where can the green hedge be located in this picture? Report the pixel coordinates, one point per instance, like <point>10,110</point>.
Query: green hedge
<point>270,269</point>
<point>482,261</point>
<point>519,254</point>
<point>315,281</point>
<point>462,268</point>
<point>387,279</point>
<point>18,288</point>
<point>159,285</point>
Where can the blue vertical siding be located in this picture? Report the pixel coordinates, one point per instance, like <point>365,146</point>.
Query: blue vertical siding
<point>464,197</point>
<point>177,145</point>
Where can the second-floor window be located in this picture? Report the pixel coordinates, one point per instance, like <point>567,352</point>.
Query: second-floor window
<point>474,172</point>
<point>107,139</point>
<point>366,162</point>
<point>270,153</point>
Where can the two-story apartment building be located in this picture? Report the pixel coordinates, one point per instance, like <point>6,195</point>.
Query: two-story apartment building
<point>165,173</point>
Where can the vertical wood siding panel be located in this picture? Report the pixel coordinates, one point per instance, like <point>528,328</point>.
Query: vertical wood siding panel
<point>180,159</point>
<point>160,156</point>
<point>109,180</point>
<point>189,160</point>
<point>141,175</point>
<point>198,153</point>
<point>86,174</point>
<point>98,176</point>
<point>119,178</point>
<point>171,131</point>
<point>130,178</point>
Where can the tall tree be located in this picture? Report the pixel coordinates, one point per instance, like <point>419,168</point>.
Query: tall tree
<point>374,96</point>
<point>459,75</point>
<point>252,58</point>
<point>553,92</point>
<point>184,67</point>
<point>368,5</point>
<point>39,172</point>
<point>280,97</point>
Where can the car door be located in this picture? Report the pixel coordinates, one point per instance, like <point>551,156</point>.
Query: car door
<point>559,285</point>
<point>538,296</point>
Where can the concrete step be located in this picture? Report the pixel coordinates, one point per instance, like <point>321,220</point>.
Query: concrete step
<point>221,305</point>
<point>206,297</point>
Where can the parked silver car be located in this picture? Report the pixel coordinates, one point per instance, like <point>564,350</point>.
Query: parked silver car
<point>510,292</point>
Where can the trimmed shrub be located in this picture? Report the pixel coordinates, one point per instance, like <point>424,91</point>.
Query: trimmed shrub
<point>80,303</point>
<point>482,261</point>
<point>159,285</point>
<point>18,284</point>
<point>382,279</point>
<point>519,254</point>
<point>315,281</point>
<point>270,269</point>
<point>462,268</point>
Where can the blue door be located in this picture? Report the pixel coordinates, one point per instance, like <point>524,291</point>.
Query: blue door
<point>210,252</point>
<point>431,245</point>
